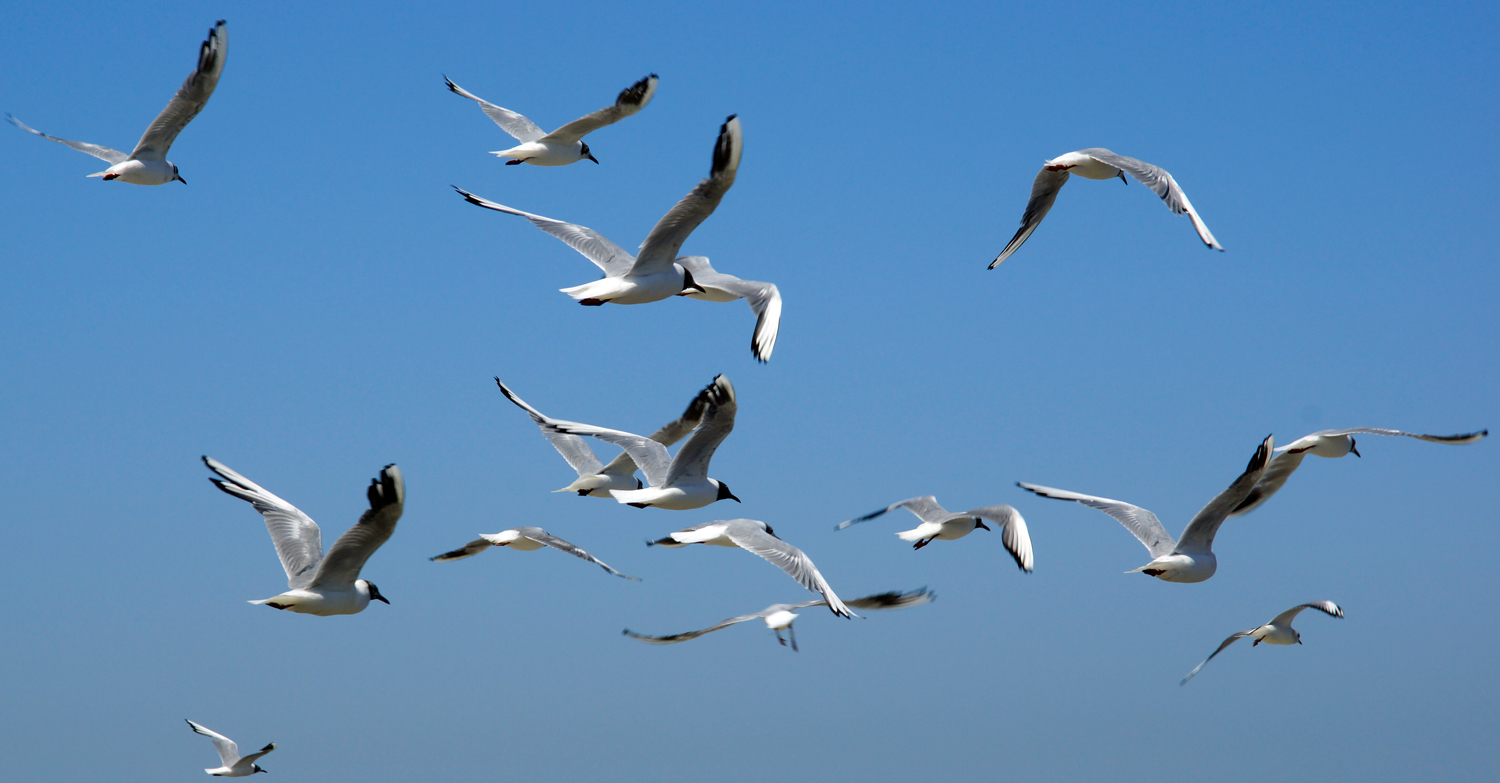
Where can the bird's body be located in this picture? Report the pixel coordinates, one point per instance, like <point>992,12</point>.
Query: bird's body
<point>233,764</point>
<point>1278,631</point>
<point>321,585</point>
<point>564,145</point>
<point>525,539</point>
<point>939,523</point>
<point>758,538</point>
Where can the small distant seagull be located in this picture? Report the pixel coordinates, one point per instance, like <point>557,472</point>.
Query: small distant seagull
<point>1278,631</point>
<point>779,617</point>
<point>322,585</point>
<point>938,522</point>
<point>1190,559</point>
<point>594,478</point>
<point>235,766</point>
<point>526,539</point>
<point>756,537</point>
<point>1096,163</point>
<point>147,164</point>
<point>1331,444</point>
<point>679,483</point>
<point>564,145</point>
<point>658,273</point>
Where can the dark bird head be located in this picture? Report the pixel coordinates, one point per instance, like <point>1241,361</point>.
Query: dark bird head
<point>375,594</point>
<point>725,494</point>
<point>584,153</point>
<point>178,178</point>
<point>980,523</point>
<point>1121,175</point>
<point>1353,450</point>
<point>256,767</point>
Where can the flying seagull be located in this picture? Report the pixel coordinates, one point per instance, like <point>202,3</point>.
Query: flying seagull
<point>526,539</point>
<point>938,522</point>
<point>564,145</point>
<point>1326,443</point>
<point>322,585</point>
<point>779,617</point>
<point>1096,163</point>
<point>1191,558</point>
<point>1278,631</point>
<point>235,765</point>
<point>594,478</point>
<point>658,273</point>
<point>756,537</point>
<point>147,164</point>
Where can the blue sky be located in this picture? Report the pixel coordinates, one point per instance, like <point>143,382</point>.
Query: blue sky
<point>317,303</point>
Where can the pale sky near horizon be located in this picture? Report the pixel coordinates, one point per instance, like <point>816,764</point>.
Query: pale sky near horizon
<point>317,302</point>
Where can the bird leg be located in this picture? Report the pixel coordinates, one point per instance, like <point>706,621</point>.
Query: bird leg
<point>922,543</point>
<point>591,302</point>
<point>111,176</point>
<point>637,505</point>
<point>514,162</point>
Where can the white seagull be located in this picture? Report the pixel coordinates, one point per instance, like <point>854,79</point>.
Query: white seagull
<point>596,479</point>
<point>564,145</point>
<point>658,273</point>
<point>756,537</point>
<point>147,164</point>
<point>938,522</point>
<point>526,539</point>
<point>1327,443</point>
<point>235,765</point>
<point>1191,558</point>
<point>1096,163</point>
<point>679,483</point>
<point>322,585</point>
<point>779,617</point>
<point>1278,631</point>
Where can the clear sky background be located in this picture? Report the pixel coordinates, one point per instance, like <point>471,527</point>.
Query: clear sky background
<point>317,302</point>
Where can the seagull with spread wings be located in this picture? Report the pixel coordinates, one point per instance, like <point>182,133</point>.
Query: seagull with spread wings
<point>564,145</point>
<point>525,539</point>
<point>756,537</point>
<point>940,523</point>
<point>779,617</point>
<point>1278,631</point>
<point>234,765</point>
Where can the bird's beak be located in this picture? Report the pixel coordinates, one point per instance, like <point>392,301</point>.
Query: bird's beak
<point>592,158</point>
<point>1121,175</point>
<point>183,181</point>
<point>977,523</point>
<point>732,497</point>
<point>1354,451</point>
<point>381,599</point>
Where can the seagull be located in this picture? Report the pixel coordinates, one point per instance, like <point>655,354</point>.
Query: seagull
<point>679,483</point>
<point>1190,559</point>
<point>322,585</point>
<point>235,765</point>
<point>1096,163</point>
<point>596,479</point>
<point>657,273</point>
<point>1278,631</point>
<point>526,539</point>
<point>779,617</point>
<point>758,538</point>
<point>564,145</point>
<point>1331,444</point>
<point>938,522</point>
<point>147,164</point>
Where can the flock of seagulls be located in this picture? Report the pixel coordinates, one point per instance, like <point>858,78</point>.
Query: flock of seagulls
<point>330,583</point>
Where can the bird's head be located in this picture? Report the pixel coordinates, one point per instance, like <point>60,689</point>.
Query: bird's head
<point>375,593</point>
<point>178,178</point>
<point>725,494</point>
<point>583,152</point>
<point>256,767</point>
<point>1353,450</point>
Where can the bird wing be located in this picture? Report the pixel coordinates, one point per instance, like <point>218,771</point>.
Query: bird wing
<point>467,550</point>
<point>1282,467</point>
<point>229,752</point>
<point>572,447</point>
<point>605,254</point>
<point>764,300</point>
<point>890,600</point>
<point>926,508</point>
<point>692,459</point>
<point>190,99</point>
<point>298,541</point>
<point>719,626</point>
<point>1198,536</point>
<point>1467,437</point>
<point>751,537</point>
<point>1013,533</point>
<point>110,156</point>
<point>1227,642</point>
<point>1140,522</point>
<point>542,536</point>
<point>250,759</point>
<point>516,125</point>
<point>649,455</point>
<point>1162,184</point>
<point>631,100</point>
<point>665,240</point>
<point>347,556</point>
<point>668,435</point>
<point>1327,607</point>
<point>1044,191</point>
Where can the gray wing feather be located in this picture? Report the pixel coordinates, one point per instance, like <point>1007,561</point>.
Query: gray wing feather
<point>605,254</point>
<point>467,550</point>
<point>925,507</point>
<point>1141,523</point>
<point>1227,642</point>
<point>1198,536</point>
<point>263,751</point>
<point>752,538</point>
<point>1282,467</point>
<point>516,125</point>
<point>111,156</point>
<point>538,534</point>
<point>229,752</point>
<point>1162,184</point>
<point>1013,532</point>
<point>719,626</point>
<point>298,541</point>
<point>630,100</point>
<point>387,495</point>
<point>665,240</point>
<point>890,600</point>
<point>1044,190</point>
<point>692,459</point>
<point>572,447</point>
<point>668,435</point>
<point>650,456</point>
<point>764,300</point>
<point>1327,607</point>
<point>190,99</point>
<point>1467,437</point>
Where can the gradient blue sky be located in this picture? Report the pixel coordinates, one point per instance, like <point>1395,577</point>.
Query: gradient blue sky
<point>317,302</point>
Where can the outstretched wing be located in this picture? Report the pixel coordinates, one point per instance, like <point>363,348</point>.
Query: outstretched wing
<point>190,99</point>
<point>1198,536</point>
<point>542,536</point>
<point>572,447</point>
<point>1227,642</point>
<point>1141,523</point>
<point>1162,184</point>
<point>668,435</point>
<point>467,550</point>
<point>665,240</point>
<point>229,752</point>
<point>631,100</point>
<point>110,156</point>
<point>1013,532</point>
<point>719,626</point>
<point>692,459</point>
<point>1327,607</point>
<point>1044,190</point>
<point>347,556</point>
<point>764,300</point>
<point>650,456</point>
<point>925,507</point>
<point>1467,437</point>
<point>1282,467</point>
<point>516,125</point>
<point>751,537</point>
<point>605,254</point>
<point>298,541</point>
